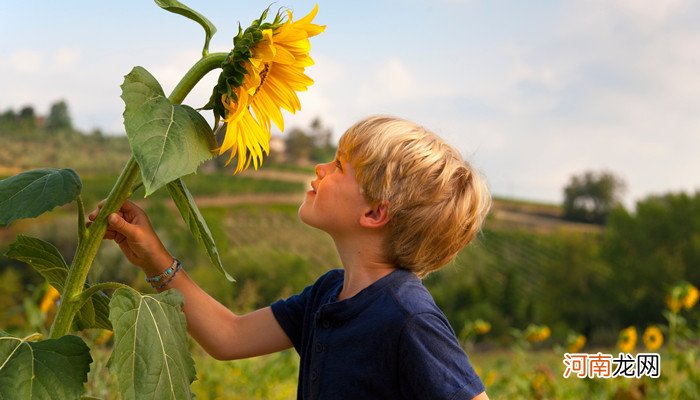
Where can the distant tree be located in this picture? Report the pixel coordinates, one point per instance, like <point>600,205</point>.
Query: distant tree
<point>323,150</point>
<point>9,123</point>
<point>313,144</point>
<point>591,196</point>
<point>59,117</point>
<point>650,250</point>
<point>298,145</point>
<point>27,118</point>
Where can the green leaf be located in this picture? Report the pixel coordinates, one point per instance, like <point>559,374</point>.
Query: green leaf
<point>151,358</point>
<point>176,7</point>
<point>34,192</point>
<point>167,140</point>
<point>196,222</point>
<point>49,369</point>
<point>48,261</point>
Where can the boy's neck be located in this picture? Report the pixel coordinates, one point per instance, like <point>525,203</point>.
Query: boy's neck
<point>363,265</point>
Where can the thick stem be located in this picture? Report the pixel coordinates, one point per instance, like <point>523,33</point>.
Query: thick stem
<point>82,230</point>
<point>88,249</point>
<point>123,188</point>
<point>195,74</point>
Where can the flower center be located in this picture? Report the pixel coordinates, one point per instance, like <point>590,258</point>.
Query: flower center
<point>263,76</point>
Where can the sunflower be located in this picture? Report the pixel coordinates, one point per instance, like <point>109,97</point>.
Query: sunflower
<point>48,302</point>
<point>653,338</point>
<point>691,297</point>
<point>278,64</point>
<point>673,303</point>
<point>481,327</point>
<point>537,333</point>
<point>260,77</point>
<point>575,342</point>
<point>628,339</point>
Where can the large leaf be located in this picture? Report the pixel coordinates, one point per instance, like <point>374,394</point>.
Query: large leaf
<point>49,369</point>
<point>168,140</point>
<point>151,357</point>
<point>48,261</point>
<point>34,192</point>
<point>176,7</point>
<point>196,222</point>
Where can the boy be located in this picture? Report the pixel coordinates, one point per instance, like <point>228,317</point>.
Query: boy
<point>399,203</point>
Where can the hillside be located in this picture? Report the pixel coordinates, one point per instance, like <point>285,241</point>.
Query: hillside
<point>104,156</point>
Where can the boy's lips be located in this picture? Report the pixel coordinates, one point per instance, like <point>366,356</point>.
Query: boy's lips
<point>313,186</point>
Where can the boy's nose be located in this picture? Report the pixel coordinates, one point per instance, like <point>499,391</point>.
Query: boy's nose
<point>318,170</point>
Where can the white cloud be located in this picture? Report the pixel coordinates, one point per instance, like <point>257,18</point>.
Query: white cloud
<point>65,58</point>
<point>392,81</point>
<point>25,61</point>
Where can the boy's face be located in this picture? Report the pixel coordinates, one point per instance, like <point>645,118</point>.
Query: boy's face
<point>335,202</point>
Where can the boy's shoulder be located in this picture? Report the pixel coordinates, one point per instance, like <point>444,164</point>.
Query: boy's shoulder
<point>410,295</point>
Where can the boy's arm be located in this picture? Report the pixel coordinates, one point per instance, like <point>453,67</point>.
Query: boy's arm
<point>481,396</point>
<point>223,334</point>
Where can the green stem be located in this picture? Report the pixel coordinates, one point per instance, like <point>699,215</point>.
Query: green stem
<point>87,249</point>
<point>89,244</point>
<point>82,229</point>
<point>195,74</point>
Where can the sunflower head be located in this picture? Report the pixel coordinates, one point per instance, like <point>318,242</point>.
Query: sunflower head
<point>537,333</point>
<point>260,76</point>
<point>575,342</point>
<point>48,302</point>
<point>653,338</point>
<point>683,295</point>
<point>628,339</point>
<point>691,297</point>
<point>233,69</point>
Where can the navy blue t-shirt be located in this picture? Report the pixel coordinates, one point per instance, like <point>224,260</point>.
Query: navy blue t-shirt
<point>389,341</point>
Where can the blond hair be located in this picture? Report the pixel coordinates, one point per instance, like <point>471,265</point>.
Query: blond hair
<point>437,202</point>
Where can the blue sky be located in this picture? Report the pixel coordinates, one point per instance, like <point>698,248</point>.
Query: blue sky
<point>530,92</point>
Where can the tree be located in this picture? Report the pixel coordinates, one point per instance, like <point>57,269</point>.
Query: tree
<point>591,196</point>
<point>313,144</point>
<point>59,117</point>
<point>651,250</point>
<point>27,118</point>
<point>298,145</point>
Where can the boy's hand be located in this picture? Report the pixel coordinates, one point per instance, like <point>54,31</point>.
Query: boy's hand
<point>132,231</point>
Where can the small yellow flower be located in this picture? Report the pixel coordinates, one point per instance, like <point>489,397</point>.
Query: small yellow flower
<point>490,378</point>
<point>628,339</point>
<point>653,338</point>
<point>481,327</point>
<point>575,343</point>
<point>691,297</point>
<point>104,337</point>
<point>48,302</point>
<point>674,304</point>
<point>537,333</point>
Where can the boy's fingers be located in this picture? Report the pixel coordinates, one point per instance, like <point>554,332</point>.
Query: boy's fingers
<point>118,224</point>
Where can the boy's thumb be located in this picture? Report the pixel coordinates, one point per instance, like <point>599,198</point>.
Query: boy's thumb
<point>119,224</point>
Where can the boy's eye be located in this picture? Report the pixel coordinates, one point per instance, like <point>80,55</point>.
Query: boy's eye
<point>338,164</point>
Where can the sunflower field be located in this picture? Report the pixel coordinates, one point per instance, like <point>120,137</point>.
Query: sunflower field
<point>502,296</point>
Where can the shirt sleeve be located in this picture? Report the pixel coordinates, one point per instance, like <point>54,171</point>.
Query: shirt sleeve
<point>290,315</point>
<point>432,364</point>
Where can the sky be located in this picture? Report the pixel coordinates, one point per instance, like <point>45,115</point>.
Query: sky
<point>531,93</point>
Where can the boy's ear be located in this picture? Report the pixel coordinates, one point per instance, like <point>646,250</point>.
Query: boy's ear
<point>375,217</point>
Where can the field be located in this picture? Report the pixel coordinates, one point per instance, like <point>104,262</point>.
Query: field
<point>516,297</point>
